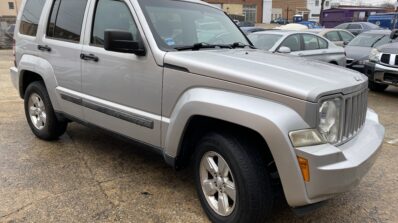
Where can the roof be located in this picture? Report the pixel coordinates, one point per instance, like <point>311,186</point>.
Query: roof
<point>280,32</point>
<point>379,31</point>
<point>293,26</point>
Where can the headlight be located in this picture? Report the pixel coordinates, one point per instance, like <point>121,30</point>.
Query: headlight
<point>374,55</point>
<point>329,120</point>
<point>306,137</point>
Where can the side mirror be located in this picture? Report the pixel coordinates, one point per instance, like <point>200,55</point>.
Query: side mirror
<point>345,43</point>
<point>123,42</point>
<point>394,34</point>
<point>284,49</point>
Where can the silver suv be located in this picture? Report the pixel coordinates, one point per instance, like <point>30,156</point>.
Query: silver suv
<point>158,72</point>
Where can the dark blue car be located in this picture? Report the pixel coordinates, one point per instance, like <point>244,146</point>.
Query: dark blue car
<point>384,20</point>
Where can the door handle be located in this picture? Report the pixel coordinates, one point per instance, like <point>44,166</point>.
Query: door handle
<point>44,48</point>
<point>89,57</point>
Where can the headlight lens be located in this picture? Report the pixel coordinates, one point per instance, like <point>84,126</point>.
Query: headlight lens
<point>329,120</point>
<point>374,55</point>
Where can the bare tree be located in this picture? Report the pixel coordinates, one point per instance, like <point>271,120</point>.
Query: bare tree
<point>321,12</point>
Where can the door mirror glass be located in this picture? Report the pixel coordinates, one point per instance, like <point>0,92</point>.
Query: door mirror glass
<point>123,42</point>
<point>284,49</point>
<point>394,34</point>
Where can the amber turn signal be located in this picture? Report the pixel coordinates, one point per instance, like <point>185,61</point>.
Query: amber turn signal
<point>305,168</point>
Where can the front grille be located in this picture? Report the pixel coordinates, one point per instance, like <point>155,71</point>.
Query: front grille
<point>389,59</point>
<point>354,114</point>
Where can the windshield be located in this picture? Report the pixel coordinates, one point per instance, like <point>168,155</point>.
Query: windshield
<point>264,41</point>
<point>178,24</point>
<point>369,40</point>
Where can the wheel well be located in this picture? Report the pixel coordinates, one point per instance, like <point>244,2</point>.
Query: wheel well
<point>198,126</point>
<point>334,62</point>
<point>27,77</point>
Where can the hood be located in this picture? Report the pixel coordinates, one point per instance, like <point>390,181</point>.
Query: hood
<point>389,48</point>
<point>357,53</point>
<point>292,76</point>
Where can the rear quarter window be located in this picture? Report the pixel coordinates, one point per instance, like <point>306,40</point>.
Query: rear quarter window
<point>31,17</point>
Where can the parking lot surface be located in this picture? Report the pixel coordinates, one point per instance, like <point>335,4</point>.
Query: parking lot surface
<point>91,176</point>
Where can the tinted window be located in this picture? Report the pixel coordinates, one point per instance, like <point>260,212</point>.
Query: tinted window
<point>354,26</point>
<point>120,19</point>
<point>323,44</point>
<point>264,41</point>
<point>332,36</point>
<point>310,42</point>
<point>346,36</point>
<point>31,16</point>
<point>66,19</point>
<point>293,42</point>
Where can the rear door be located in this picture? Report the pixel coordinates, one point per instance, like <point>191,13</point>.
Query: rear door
<point>314,47</point>
<point>61,46</point>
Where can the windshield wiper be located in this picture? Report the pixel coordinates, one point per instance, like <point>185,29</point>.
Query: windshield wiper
<point>241,45</point>
<point>198,46</point>
<point>377,41</point>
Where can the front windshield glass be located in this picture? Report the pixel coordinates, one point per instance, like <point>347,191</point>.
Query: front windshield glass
<point>177,24</point>
<point>264,41</point>
<point>369,40</point>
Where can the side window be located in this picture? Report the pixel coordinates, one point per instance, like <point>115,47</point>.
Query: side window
<point>346,36</point>
<point>31,16</point>
<point>66,19</point>
<point>354,26</point>
<point>333,36</point>
<point>323,44</point>
<point>111,14</point>
<point>293,42</point>
<point>310,42</point>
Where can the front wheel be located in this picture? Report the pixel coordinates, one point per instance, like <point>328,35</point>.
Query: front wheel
<point>232,180</point>
<point>40,113</point>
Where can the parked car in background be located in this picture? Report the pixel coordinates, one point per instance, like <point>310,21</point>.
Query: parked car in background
<point>302,44</point>
<point>357,27</point>
<point>246,24</point>
<point>382,67</point>
<point>292,26</point>
<point>385,20</point>
<point>359,48</point>
<point>339,37</point>
<point>280,21</point>
<point>248,30</point>
<point>310,24</point>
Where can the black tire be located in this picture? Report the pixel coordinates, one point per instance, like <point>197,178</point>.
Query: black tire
<point>53,128</point>
<point>377,87</point>
<point>255,198</point>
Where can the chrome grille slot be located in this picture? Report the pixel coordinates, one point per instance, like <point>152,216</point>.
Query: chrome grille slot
<point>354,114</point>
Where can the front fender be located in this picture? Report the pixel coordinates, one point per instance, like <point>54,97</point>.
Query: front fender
<point>44,69</point>
<point>273,121</point>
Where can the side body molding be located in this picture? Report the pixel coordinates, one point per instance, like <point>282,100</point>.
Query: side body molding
<point>273,121</point>
<point>45,70</point>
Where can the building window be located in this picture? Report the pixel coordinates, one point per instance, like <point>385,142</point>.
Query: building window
<point>327,3</point>
<point>11,5</point>
<point>316,2</point>
<point>250,13</point>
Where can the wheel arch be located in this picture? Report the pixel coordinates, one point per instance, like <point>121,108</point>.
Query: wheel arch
<point>268,119</point>
<point>33,68</point>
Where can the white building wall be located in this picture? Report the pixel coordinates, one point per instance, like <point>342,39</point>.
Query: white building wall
<point>267,11</point>
<point>311,5</point>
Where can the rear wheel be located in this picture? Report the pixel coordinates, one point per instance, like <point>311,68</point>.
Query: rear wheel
<point>40,113</point>
<point>232,180</point>
<point>377,87</point>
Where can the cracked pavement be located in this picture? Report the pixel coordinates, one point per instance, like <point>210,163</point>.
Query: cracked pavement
<point>91,176</point>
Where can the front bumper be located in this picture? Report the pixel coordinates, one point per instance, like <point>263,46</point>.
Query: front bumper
<point>381,74</point>
<point>14,77</point>
<point>334,170</point>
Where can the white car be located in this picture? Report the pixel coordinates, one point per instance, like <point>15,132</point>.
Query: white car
<point>303,44</point>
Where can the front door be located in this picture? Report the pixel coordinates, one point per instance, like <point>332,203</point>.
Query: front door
<point>122,91</point>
